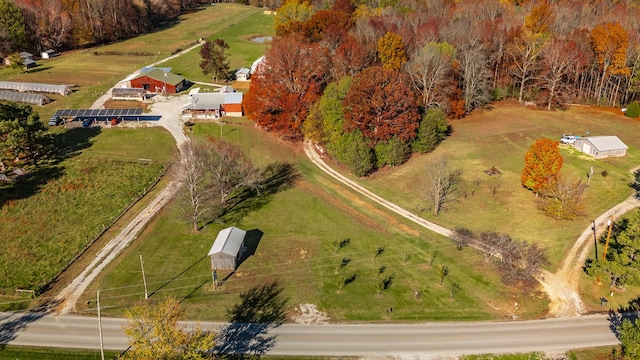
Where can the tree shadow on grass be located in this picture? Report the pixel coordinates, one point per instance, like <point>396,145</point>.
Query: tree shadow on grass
<point>59,147</point>
<point>246,337</point>
<point>177,276</point>
<point>277,177</point>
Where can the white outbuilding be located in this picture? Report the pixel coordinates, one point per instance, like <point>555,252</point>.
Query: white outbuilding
<point>227,249</point>
<point>601,147</point>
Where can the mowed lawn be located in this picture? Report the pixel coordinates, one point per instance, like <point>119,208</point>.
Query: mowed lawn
<point>242,50</point>
<point>300,223</point>
<point>500,137</point>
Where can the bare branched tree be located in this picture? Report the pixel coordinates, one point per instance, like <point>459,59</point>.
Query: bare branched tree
<point>442,184</point>
<point>197,191</point>
<point>230,169</point>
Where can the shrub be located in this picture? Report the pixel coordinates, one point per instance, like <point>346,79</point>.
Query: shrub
<point>393,152</point>
<point>633,111</point>
<point>433,129</point>
<point>352,150</point>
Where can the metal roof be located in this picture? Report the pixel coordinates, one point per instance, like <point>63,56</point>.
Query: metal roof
<point>36,87</point>
<point>228,241</point>
<point>604,143</point>
<point>97,112</point>
<point>159,74</point>
<point>204,101</point>
<point>22,97</point>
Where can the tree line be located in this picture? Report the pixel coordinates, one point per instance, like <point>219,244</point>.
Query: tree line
<point>360,77</point>
<point>37,25</point>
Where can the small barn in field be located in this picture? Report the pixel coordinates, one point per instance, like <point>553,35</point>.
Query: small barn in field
<point>601,147</point>
<point>227,249</point>
<point>48,54</point>
<point>243,74</point>
<point>155,79</point>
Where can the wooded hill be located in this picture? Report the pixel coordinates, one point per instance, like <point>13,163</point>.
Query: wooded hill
<point>404,57</point>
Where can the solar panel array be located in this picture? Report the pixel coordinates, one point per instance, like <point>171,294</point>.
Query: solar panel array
<point>35,87</point>
<point>97,112</point>
<point>29,98</point>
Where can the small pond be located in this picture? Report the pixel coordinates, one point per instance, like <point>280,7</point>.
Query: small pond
<point>261,39</point>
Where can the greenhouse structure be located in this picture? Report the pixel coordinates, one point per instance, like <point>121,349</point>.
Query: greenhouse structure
<point>35,87</point>
<point>20,97</point>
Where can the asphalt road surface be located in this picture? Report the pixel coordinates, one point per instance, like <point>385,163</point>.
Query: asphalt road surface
<point>401,341</point>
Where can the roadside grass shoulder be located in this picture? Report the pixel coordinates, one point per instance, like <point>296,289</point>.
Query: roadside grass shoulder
<point>27,353</point>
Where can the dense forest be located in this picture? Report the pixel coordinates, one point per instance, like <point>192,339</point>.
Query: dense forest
<point>36,25</point>
<point>372,81</point>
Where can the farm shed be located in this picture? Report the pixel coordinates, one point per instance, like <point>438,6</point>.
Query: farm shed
<point>20,97</point>
<point>48,54</point>
<point>243,74</point>
<point>128,94</point>
<point>227,248</point>
<point>36,87</point>
<point>155,80</point>
<point>601,147</point>
<point>212,105</point>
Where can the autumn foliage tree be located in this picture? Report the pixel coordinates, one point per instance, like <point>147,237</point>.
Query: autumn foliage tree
<point>293,78</point>
<point>391,51</point>
<point>381,105</point>
<point>541,163</point>
<point>291,15</point>
<point>610,42</point>
<point>156,332</point>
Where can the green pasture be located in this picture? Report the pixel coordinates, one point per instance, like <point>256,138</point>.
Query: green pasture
<point>243,52</point>
<point>500,137</point>
<point>94,71</point>
<point>300,222</point>
<point>63,205</point>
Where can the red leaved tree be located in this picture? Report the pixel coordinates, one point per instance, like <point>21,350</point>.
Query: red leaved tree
<point>541,163</point>
<point>290,80</point>
<point>381,105</point>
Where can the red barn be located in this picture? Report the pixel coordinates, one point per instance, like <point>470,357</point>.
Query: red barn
<point>155,80</point>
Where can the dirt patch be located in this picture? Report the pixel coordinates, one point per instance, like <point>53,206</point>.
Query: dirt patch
<point>308,314</point>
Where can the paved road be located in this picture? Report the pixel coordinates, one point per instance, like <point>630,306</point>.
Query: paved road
<point>401,341</point>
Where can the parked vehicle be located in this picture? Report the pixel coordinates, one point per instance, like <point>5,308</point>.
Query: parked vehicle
<point>568,139</point>
<point>87,122</point>
<point>55,121</point>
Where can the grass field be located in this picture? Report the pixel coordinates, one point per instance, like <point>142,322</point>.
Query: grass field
<point>299,225</point>
<point>94,74</point>
<point>63,206</point>
<point>500,137</point>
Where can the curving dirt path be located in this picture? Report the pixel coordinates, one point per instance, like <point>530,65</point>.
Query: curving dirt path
<point>561,287</point>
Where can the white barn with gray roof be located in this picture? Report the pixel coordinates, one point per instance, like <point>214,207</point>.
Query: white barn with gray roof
<point>601,147</point>
<point>227,249</point>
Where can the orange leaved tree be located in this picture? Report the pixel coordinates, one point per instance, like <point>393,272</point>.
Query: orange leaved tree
<point>541,163</point>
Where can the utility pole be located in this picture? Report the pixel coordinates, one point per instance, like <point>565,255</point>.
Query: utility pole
<point>144,279</point>
<point>606,244</point>
<point>100,326</point>
<point>595,238</point>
